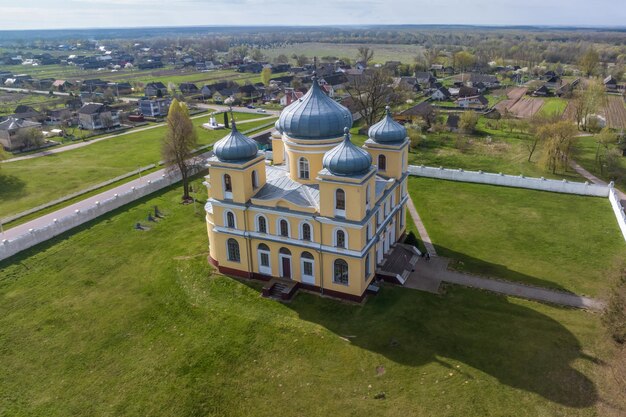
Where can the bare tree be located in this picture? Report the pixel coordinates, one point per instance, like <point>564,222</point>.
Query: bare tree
<point>30,138</point>
<point>365,54</point>
<point>371,92</point>
<point>559,140</point>
<point>468,121</point>
<point>179,143</point>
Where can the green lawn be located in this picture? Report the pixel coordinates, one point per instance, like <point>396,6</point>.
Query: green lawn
<point>112,321</point>
<point>553,106</point>
<point>547,239</point>
<point>586,157</point>
<point>489,150</point>
<point>29,183</point>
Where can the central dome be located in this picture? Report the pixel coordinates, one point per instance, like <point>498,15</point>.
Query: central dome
<point>314,116</point>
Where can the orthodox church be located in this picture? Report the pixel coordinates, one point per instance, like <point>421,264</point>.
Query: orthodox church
<point>323,213</point>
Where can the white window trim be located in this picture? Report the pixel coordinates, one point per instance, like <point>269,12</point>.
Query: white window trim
<point>307,279</point>
<point>227,194</point>
<point>228,251</point>
<point>339,212</point>
<point>301,232</point>
<point>266,270</point>
<point>256,224</point>
<point>345,234</point>
<point>226,219</point>
<point>300,171</point>
<point>278,227</point>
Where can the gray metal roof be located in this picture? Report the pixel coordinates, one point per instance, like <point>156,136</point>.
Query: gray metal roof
<point>314,116</point>
<point>280,187</point>
<point>235,147</point>
<point>387,130</point>
<point>347,159</point>
<point>13,123</point>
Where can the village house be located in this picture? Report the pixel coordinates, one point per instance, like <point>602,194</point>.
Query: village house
<point>188,88</point>
<point>472,101</point>
<point>95,116</point>
<point>154,107</point>
<point>441,94</point>
<point>10,129</point>
<point>155,89</point>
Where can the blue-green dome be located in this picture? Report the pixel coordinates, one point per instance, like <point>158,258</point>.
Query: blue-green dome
<point>277,126</point>
<point>235,147</point>
<point>314,116</point>
<point>387,130</point>
<point>347,159</point>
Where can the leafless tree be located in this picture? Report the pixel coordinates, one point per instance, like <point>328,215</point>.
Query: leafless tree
<point>179,143</point>
<point>371,92</point>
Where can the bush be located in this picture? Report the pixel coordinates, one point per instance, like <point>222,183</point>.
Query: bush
<point>614,315</point>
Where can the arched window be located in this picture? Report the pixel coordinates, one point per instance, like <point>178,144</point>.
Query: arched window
<point>382,162</point>
<point>306,232</point>
<point>233,250</point>
<point>340,275</point>
<point>261,224</point>
<point>264,259</point>
<point>255,180</point>
<point>340,199</point>
<point>230,219</point>
<point>307,268</point>
<point>228,185</point>
<point>340,239</point>
<point>303,168</point>
<point>367,196</point>
<point>283,226</point>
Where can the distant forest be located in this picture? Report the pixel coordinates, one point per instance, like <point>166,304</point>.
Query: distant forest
<point>524,45</point>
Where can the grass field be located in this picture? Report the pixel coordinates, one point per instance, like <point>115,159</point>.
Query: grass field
<point>586,157</point>
<point>553,106</point>
<point>382,52</point>
<point>554,240</point>
<point>112,321</point>
<point>29,183</point>
<point>489,150</point>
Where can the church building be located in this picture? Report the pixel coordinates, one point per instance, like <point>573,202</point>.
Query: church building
<point>322,214</point>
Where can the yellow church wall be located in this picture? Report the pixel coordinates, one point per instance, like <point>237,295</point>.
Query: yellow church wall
<point>278,150</point>
<point>241,180</point>
<point>355,199</point>
<point>395,161</point>
<point>219,251</point>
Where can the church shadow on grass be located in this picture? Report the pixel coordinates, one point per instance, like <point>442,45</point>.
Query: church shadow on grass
<point>518,345</point>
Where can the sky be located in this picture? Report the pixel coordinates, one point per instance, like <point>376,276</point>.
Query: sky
<point>57,14</point>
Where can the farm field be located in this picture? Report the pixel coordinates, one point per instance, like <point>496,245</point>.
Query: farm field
<point>553,106</point>
<point>382,52</point>
<point>513,95</point>
<point>9,101</point>
<point>559,241</point>
<point>30,183</point>
<point>146,327</point>
<point>615,112</point>
<point>526,107</point>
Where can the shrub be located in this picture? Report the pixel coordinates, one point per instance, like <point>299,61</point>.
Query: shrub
<point>614,315</point>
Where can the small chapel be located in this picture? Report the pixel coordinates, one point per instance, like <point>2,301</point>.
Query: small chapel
<point>322,213</point>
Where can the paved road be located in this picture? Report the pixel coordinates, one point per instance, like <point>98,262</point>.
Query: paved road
<point>433,272</point>
<point>47,219</point>
<point>52,151</point>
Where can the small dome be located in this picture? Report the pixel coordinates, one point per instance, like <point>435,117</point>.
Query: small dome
<point>277,126</point>
<point>235,147</point>
<point>387,130</point>
<point>314,116</point>
<point>347,159</point>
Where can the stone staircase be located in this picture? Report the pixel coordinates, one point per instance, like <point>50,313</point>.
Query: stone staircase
<point>280,289</point>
